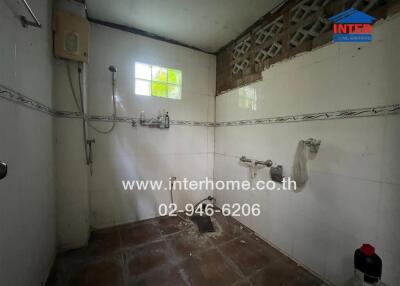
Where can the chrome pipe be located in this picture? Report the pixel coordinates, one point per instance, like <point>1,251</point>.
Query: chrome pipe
<point>267,163</point>
<point>25,22</point>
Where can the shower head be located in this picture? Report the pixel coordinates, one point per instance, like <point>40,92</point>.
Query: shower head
<point>112,69</point>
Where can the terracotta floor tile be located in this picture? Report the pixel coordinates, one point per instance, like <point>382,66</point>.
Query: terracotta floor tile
<point>163,251</point>
<point>247,255</point>
<point>147,258</point>
<point>305,278</point>
<point>283,272</point>
<point>213,268</point>
<point>260,246</point>
<point>225,231</point>
<point>170,225</point>
<point>135,234</point>
<point>104,242</point>
<point>186,243</point>
<point>98,274</point>
<point>242,283</point>
<point>168,276</point>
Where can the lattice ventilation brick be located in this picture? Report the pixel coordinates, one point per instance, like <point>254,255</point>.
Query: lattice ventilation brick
<point>240,66</point>
<point>309,31</point>
<point>269,31</point>
<point>242,47</point>
<point>306,8</point>
<point>268,53</point>
<point>364,5</point>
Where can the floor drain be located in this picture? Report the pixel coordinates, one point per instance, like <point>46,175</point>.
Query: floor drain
<point>203,223</point>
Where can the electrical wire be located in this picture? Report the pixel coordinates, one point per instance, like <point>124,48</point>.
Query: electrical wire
<point>72,87</point>
<point>80,108</point>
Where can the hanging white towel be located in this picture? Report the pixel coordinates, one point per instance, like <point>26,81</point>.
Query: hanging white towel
<point>300,174</point>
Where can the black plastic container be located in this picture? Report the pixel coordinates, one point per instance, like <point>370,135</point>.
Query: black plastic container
<point>368,264</point>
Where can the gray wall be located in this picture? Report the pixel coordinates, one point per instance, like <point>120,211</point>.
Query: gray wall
<point>27,209</point>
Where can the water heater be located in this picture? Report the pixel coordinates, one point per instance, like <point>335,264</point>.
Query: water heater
<point>71,36</point>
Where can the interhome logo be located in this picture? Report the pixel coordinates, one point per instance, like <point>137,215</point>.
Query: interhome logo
<point>352,26</point>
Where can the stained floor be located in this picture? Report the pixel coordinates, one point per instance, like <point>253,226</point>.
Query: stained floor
<point>171,251</point>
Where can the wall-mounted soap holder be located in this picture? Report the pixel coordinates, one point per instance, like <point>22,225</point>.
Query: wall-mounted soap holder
<point>161,122</point>
<point>276,173</point>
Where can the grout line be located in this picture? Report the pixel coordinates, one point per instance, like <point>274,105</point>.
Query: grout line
<point>121,255</point>
<point>231,263</point>
<point>283,253</point>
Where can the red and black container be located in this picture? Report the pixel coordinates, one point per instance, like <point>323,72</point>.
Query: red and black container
<point>368,265</point>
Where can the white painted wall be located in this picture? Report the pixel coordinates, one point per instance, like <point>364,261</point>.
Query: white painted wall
<point>27,210</point>
<point>141,152</point>
<point>71,170</point>
<point>130,153</point>
<point>352,195</point>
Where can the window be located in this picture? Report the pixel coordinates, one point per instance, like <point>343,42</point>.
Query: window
<point>158,81</point>
<point>248,98</point>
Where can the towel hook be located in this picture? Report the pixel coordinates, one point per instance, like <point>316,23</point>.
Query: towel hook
<point>313,144</point>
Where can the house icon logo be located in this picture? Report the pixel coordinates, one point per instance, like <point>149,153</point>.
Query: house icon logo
<point>352,26</point>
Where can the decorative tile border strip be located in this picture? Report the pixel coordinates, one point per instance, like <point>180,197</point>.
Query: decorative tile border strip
<point>18,98</point>
<point>67,114</point>
<point>25,101</point>
<point>192,123</point>
<point>109,118</point>
<point>342,114</point>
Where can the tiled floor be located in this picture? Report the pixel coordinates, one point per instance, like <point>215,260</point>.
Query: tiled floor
<point>170,251</point>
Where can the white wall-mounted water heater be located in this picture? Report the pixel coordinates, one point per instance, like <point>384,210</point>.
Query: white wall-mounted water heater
<point>71,36</point>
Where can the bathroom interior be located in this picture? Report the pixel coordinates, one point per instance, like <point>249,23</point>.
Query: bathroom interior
<point>97,93</point>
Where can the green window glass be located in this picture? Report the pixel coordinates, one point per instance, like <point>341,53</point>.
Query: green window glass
<point>158,74</point>
<point>174,76</point>
<point>159,89</point>
<point>158,81</point>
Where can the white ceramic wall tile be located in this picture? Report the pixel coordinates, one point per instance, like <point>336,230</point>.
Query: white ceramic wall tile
<point>72,184</point>
<point>197,80</point>
<point>340,257</point>
<point>388,224</point>
<point>112,205</point>
<point>28,54</point>
<point>351,196</point>
<point>145,153</point>
<point>27,197</point>
<point>391,268</point>
<point>391,153</point>
<point>334,77</point>
<point>140,152</point>
<point>8,46</point>
<point>392,73</point>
